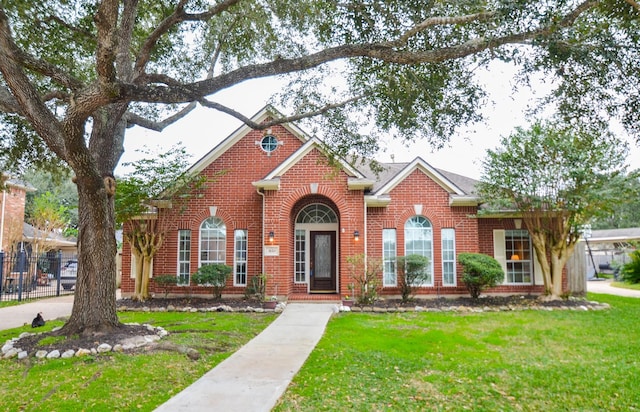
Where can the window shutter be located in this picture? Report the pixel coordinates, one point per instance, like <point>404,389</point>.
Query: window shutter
<point>499,252</point>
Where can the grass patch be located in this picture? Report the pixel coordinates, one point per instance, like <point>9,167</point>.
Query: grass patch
<point>508,361</point>
<point>126,382</point>
<point>626,285</point>
<point>7,303</point>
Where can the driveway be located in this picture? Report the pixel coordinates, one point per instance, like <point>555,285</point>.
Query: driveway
<point>604,286</point>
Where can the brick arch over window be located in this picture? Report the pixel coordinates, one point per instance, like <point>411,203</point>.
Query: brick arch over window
<point>310,200</point>
<point>325,195</point>
<point>202,215</point>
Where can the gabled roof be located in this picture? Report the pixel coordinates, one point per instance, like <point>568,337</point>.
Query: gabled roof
<point>377,186</point>
<point>460,188</point>
<point>356,181</point>
<point>264,114</point>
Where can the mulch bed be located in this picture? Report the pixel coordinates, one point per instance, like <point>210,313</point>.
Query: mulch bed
<point>459,304</point>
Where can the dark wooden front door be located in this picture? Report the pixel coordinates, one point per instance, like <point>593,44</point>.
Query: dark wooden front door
<point>323,262</point>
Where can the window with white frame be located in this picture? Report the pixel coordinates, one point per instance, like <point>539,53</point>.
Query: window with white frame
<point>184,257</point>
<point>300,256</point>
<point>418,240</point>
<point>213,241</point>
<point>518,256</point>
<point>389,253</point>
<point>240,258</point>
<point>448,257</point>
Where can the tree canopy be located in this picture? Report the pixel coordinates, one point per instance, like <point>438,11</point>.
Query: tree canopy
<point>557,177</point>
<point>77,74</point>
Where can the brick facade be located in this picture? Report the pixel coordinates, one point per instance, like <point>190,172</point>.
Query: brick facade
<point>264,192</point>
<point>12,209</point>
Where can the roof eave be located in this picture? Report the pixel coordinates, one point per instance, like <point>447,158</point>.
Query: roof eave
<point>359,184</point>
<point>377,201</point>
<point>463,201</point>
<point>267,184</point>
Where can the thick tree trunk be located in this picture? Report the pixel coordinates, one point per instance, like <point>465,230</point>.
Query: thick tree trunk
<point>94,307</point>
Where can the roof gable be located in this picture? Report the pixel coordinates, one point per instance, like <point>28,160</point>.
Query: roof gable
<point>459,187</point>
<point>357,181</point>
<point>427,169</point>
<point>264,114</point>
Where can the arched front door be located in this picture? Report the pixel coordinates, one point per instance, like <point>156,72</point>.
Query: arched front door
<point>322,262</point>
<point>316,248</point>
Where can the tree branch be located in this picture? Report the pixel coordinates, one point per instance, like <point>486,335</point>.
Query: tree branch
<point>176,17</point>
<point>280,120</point>
<point>25,94</point>
<point>438,21</point>
<point>178,93</point>
<point>134,119</point>
<point>634,4</point>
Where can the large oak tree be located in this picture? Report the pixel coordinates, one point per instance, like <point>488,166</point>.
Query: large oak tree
<point>77,74</point>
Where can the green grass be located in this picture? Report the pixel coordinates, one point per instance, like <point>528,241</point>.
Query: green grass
<point>626,285</point>
<point>505,361</point>
<point>6,303</point>
<point>125,382</point>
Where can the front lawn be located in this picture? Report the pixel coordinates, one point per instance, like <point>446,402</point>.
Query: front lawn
<point>125,382</point>
<point>508,361</point>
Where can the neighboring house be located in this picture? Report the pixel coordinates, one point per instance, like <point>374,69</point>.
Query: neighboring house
<point>277,207</point>
<point>14,230</point>
<point>13,194</point>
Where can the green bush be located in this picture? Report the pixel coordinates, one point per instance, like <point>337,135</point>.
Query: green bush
<point>165,282</point>
<point>631,270</point>
<point>411,274</point>
<point>214,275</point>
<point>479,272</point>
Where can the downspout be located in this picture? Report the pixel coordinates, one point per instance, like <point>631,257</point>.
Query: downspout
<point>262,234</point>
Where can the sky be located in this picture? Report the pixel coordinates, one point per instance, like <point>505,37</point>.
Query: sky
<point>203,129</point>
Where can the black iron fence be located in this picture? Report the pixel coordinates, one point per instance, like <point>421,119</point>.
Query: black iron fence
<point>27,276</point>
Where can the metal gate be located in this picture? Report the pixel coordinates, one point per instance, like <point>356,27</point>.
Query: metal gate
<point>26,276</point>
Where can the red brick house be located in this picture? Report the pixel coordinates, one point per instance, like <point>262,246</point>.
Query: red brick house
<point>277,207</point>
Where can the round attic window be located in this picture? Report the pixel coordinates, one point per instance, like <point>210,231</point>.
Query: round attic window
<point>269,143</point>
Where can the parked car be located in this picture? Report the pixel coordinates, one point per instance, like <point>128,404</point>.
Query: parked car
<point>68,274</point>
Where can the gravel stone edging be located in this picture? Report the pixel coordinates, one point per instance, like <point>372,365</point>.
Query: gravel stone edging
<point>9,350</point>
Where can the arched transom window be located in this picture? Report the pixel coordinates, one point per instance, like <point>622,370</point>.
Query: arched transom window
<point>418,240</point>
<point>317,213</point>
<point>213,241</point>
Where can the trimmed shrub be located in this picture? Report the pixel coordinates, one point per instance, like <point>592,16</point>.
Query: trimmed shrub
<point>214,275</point>
<point>479,272</point>
<point>411,274</point>
<point>165,282</point>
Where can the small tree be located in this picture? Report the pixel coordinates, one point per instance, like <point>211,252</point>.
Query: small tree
<point>557,177</point>
<point>365,273</point>
<point>480,272</point>
<point>411,274</point>
<point>159,175</point>
<point>215,275</point>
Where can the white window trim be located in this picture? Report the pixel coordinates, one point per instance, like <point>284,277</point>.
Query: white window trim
<point>235,257</point>
<point>395,254</point>
<point>178,261</point>
<point>454,261</point>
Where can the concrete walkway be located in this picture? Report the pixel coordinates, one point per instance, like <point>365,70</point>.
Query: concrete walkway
<point>51,308</point>
<point>254,378</point>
